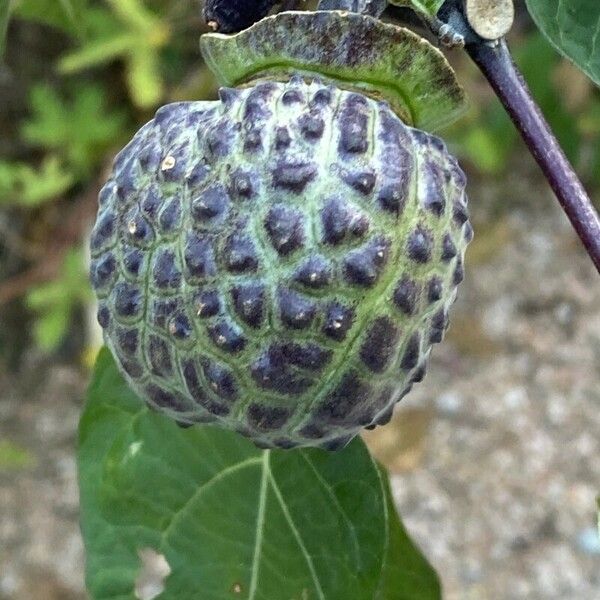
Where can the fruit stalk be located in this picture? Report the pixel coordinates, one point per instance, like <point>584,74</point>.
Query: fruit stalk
<point>496,64</point>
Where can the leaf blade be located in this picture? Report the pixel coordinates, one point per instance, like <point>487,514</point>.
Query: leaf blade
<point>406,575</point>
<point>573,28</point>
<point>226,515</point>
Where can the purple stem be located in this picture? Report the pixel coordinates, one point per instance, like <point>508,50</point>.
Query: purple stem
<point>496,63</point>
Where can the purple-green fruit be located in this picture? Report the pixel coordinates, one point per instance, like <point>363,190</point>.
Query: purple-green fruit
<point>279,261</point>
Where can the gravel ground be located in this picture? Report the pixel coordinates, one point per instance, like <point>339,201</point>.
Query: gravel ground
<point>494,458</point>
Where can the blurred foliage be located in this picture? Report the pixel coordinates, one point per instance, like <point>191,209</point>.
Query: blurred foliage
<point>567,98</point>
<point>77,130</point>
<point>118,60</point>
<point>27,186</point>
<point>124,30</point>
<point>74,135</point>
<point>67,15</point>
<point>55,301</point>
<point>14,457</point>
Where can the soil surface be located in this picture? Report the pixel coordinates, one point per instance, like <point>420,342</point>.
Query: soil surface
<point>494,458</point>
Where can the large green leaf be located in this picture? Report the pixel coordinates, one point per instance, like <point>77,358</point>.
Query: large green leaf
<point>231,520</point>
<point>573,27</point>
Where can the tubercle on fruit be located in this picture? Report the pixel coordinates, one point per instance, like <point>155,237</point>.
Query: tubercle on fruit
<point>280,261</point>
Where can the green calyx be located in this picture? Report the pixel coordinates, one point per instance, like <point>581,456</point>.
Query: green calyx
<point>353,51</point>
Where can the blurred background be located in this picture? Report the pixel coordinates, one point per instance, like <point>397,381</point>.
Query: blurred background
<point>495,458</point>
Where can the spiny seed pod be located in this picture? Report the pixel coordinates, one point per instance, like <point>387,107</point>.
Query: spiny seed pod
<point>280,261</point>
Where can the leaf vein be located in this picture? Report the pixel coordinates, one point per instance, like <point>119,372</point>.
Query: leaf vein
<point>260,525</point>
<point>339,507</point>
<point>219,476</point>
<point>296,533</point>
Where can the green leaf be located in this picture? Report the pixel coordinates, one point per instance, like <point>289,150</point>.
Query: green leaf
<point>232,520</point>
<point>428,8</point>
<point>573,27</point>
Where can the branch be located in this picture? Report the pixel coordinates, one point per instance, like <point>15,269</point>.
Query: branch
<point>495,62</point>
